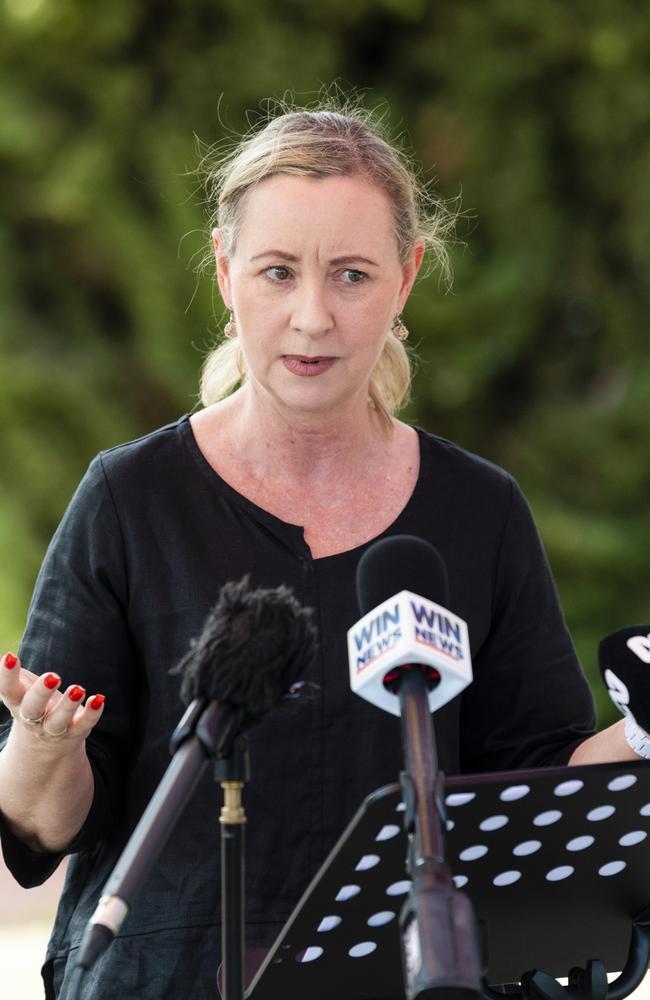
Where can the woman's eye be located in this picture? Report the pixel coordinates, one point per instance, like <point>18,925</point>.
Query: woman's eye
<point>278,272</point>
<point>352,277</point>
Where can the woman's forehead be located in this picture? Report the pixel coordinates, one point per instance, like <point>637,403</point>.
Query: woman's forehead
<point>332,209</point>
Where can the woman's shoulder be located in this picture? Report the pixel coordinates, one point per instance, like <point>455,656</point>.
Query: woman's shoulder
<point>137,460</point>
<point>136,467</point>
<point>442,457</point>
<point>148,446</point>
<point>132,474</point>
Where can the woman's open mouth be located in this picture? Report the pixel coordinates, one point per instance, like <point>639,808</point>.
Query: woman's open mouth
<point>300,364</point>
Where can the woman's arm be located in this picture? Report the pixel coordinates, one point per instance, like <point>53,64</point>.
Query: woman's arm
<point>605,747</point>
<point>44,797</point>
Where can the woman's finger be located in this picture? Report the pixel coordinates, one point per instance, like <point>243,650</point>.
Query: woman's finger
<point>14,680</point>
<point>87,716</point>
<point>38,698</point>
<point>10,687</point>
<point>72,719</point>
<point>58,719</point>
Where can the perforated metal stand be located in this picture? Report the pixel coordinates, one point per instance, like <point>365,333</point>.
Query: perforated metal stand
<point>555,861</point>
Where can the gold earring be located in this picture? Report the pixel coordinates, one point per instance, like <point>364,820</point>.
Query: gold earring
<point>398,329</point>
<point>230,329</point>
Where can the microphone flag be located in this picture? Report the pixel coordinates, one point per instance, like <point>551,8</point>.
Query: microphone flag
<point>624,661</point>
<point>404,630</point>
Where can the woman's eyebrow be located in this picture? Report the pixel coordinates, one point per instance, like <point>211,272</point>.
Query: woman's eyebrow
<point>275,253</point>
<point>348,259</point>
<point>355,259</point>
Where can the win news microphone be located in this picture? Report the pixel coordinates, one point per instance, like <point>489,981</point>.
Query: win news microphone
<point>254,646</point>
<point>400,582</point>
<point>409,655</point>
<point>624,661</point>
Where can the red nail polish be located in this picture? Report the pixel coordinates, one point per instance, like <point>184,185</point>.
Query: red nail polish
<point>76,693</point>
<point>97,702</point>
<point>51,681</point>
<point>10,661</point>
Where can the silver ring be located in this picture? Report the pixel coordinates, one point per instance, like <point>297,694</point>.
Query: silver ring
<point>30,722</point>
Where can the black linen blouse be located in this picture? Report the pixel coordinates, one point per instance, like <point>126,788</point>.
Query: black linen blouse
<point>149,538</point>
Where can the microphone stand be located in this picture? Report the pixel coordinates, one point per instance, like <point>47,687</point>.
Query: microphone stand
<point>208,731</point>
<point>232,772</point>
<point>440,949</point>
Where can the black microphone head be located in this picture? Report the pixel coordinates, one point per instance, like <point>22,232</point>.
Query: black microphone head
<point>254,646</point>
<point>400,562</point>
<point>624,661</point>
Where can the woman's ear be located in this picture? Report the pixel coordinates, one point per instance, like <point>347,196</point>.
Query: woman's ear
<point>410,270</point>
<point>222,273</point>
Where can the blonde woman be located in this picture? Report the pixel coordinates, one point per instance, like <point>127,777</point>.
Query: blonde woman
<point>293,465</point>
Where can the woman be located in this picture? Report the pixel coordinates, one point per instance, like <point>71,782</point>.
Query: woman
<point>317,244</point>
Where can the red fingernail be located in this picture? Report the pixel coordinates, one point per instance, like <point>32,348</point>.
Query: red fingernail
<point>76,693</point>
<point>51,681</point>
<point>97,701</point>
<point>10,661</point>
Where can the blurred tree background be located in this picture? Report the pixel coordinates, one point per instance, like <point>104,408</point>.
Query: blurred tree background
<point>539,357</point>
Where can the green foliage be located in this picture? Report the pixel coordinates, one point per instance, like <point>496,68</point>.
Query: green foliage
<point>539,358</point>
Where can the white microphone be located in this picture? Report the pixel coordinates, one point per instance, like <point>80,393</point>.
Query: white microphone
<point>405,628</point>
<point>409,655</point>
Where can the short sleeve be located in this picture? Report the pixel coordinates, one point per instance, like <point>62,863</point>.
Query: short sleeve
<point>77,626</point>
<point>530,704</point>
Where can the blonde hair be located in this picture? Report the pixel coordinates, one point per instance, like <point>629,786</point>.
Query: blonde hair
<point>323,142</point>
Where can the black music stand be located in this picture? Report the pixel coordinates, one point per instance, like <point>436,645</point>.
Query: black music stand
<point>556,864</point>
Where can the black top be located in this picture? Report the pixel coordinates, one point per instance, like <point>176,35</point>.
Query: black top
<point>149,538</point>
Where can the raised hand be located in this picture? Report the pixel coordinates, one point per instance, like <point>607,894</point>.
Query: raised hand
<point>38,705</point>
<point>46,781</point>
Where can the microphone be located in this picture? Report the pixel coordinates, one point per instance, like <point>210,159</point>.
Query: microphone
<point>624,661</point>
<point>253,648</point>
<point>409,655</point>
<point>400,581</point>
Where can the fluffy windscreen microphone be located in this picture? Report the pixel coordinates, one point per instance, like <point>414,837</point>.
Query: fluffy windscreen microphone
<point>624,660</point>
<point>254,647</point>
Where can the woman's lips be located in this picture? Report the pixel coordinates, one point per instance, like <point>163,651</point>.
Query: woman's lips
<point>301,365</point>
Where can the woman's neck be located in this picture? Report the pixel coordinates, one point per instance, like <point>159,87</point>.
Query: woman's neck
<point>298,448</point>
<point>314,473</point>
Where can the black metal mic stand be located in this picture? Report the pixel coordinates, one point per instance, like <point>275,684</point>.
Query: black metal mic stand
<point>232,772</point>
<point>440,948</point>
<point>207,731</point>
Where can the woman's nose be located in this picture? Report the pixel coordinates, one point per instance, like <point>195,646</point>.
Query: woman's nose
<point>311,313</point>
